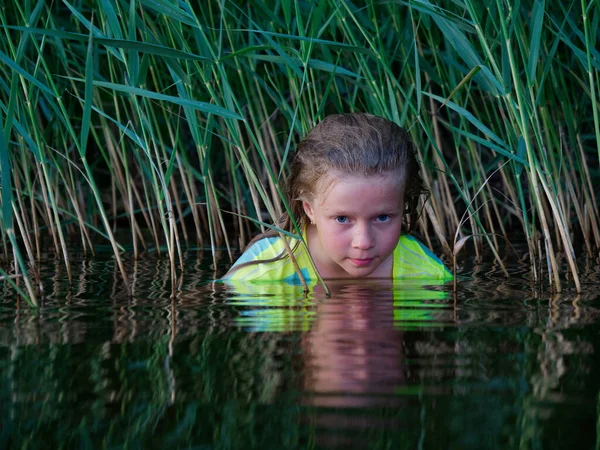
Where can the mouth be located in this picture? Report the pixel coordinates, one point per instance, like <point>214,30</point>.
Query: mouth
<point>361,262</point>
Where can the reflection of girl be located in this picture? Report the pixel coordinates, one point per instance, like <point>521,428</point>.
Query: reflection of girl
<point>354,365</point>
<point>353,354</point>
<point>353,188</point>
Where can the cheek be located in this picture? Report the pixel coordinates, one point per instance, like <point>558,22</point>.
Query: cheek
<point>393,237</point>
<point>388,239</point>
<point>333,237</point>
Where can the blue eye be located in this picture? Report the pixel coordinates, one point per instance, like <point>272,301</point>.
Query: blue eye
<point>341,219</point>
<point>383,218</point>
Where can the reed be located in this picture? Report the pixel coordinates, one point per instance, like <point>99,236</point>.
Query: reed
<point>175,120</point>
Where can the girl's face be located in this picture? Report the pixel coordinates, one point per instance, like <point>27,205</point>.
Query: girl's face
<point>356,225</point>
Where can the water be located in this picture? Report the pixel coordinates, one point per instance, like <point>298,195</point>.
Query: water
<point>504,364</point>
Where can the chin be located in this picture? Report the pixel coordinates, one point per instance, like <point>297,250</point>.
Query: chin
<point>359,272</point>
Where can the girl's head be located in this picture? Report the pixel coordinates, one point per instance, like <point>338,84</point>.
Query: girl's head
<point>355,180</point>
<point>355,145</point>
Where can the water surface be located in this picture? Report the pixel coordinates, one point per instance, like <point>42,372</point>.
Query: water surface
<point>503,364</point>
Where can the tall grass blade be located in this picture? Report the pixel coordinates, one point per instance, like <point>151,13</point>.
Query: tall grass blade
<point>89,90</point>
<point>158,110</point>
<point>7,213</point>
<point>112,43</point>
<point>200,106</point>
<point>537,20</point>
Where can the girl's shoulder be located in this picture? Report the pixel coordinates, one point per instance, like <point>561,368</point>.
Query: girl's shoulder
<point>267,260</point>
<point>413,259</point>
<point>265,248</point>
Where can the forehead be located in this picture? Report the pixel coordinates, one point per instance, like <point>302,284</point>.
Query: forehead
<point>344,191</point>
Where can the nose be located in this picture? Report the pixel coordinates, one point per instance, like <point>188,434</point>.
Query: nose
<point>363,237</point>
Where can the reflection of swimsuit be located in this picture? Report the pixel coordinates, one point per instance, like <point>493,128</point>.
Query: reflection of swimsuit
<point>412,260</point>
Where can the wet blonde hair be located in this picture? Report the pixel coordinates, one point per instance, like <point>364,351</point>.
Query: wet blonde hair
<point>354,144</point>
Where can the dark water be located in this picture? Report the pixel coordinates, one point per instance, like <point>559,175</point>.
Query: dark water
<point>504,364</point>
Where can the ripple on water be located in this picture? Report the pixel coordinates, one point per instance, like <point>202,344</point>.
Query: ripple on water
<point>502,363</point>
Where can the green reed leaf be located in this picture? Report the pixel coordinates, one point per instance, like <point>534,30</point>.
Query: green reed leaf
<point>133,58</point>
<point>18,69</point>
<point>141,47</point>
<point>521,153</point>
<point>109,12</point>
<point>312,63</point>
<point>170,11</point>
<point>332,68</point>
<point>6,277</point>
<point>317,41</point>
<point>519,158</point>
<point>286,6</point>
<point>455,37</point>
<point>470,117</point>
<point>5,180</point>
<point>89,90</point>
<point>537,18</point>
<point>200,106</point>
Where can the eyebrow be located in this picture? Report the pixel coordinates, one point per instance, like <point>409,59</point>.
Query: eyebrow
<point>342,212</point>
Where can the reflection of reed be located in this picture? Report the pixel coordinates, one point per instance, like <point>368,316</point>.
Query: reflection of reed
<point>370,360</point>
<point>96,289</point>
<point>129,365</point>
<point>485,299</point>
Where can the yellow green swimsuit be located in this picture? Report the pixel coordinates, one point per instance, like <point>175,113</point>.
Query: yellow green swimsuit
<point>412,260</point>
<point>273,299</point>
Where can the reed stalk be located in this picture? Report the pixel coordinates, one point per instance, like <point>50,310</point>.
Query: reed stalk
<point>161,116</point>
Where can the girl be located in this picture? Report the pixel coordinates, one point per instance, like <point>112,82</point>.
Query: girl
<point>354,188</point>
